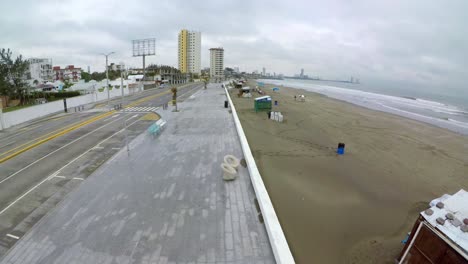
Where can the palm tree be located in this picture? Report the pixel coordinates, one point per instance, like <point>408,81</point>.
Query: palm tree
<point>174,97</point>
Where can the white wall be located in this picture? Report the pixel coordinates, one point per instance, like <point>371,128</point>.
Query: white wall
<point>278,241</point>
<point>27,114</point>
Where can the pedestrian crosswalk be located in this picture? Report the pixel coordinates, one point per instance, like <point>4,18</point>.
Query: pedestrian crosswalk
<point>141,109</point>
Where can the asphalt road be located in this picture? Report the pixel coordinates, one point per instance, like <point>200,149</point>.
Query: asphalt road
<point>66,149</point>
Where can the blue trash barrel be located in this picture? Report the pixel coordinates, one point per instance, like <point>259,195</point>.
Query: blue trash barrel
<point>340,149</point>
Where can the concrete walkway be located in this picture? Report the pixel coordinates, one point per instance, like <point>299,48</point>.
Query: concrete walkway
<point>166,203</point>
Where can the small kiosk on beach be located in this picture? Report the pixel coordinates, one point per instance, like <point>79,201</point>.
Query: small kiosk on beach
<point>440,234</point>
<point>262,103</point>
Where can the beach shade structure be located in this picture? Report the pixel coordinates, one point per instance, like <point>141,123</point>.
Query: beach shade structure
<point>275,89</point>
<point>340,149</point>
<point>262,103</point>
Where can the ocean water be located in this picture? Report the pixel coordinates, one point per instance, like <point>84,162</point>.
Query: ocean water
<point>435,110</point>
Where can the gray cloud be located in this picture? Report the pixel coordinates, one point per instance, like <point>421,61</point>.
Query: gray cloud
<point>419,43</point>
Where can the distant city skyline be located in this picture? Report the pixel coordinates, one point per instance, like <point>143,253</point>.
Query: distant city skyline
<point>400,43</point>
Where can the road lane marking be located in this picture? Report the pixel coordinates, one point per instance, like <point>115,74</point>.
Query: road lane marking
<point>62,131</point>
<point>41,141</point>
<point>115,148</point>
<point>57,176</point>
<point>45,135</point>
<point>12,236</point>
<point>63,167</point>
<point>57,118</point>
<point>66,145</point>
<point>26,193</point>
<point>29,127</point>
<point>9,143</point>
<point>76,178</point>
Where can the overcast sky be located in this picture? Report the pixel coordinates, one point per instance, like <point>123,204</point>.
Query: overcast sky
<point>411,42</point>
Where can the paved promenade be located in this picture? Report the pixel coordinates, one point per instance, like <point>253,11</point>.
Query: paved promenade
<point>165,203</point>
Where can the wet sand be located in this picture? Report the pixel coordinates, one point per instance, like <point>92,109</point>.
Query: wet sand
<point>354,208</point>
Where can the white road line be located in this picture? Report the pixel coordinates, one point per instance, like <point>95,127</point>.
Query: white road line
<point>12,236</point>
<point>115,148</point>
<point>56,172</point>
<point>56,176</point>
<point>64,146</point>
<point>133,117</point>
<point>21,197</point>
<point>98,147</point>
<point>76,178</point>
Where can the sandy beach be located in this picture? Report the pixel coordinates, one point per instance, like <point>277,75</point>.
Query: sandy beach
<point>354,208</point>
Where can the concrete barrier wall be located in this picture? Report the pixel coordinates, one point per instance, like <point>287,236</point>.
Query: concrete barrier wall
<point>276,236</point>
<point>27,114</point>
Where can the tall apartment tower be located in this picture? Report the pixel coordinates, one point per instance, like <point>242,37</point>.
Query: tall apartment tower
<point>189,51</point>
<point>216,62</point>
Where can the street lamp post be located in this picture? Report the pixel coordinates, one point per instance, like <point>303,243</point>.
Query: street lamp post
<point>122,74</point>
<point>107,77</point>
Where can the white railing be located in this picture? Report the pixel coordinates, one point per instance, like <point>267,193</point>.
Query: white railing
<point>276,236</point>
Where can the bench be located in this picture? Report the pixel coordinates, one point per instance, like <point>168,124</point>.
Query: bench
<point>161,123</point>
<point>156,128</point>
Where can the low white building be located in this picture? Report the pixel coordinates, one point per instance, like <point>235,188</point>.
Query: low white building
<point>135,78</point>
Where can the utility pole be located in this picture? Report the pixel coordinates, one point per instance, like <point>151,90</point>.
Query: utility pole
<point>2,125</point>
<point>107,77</point>
<point>123,109</point>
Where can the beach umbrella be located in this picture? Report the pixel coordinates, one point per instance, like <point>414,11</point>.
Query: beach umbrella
<point>275,89</point>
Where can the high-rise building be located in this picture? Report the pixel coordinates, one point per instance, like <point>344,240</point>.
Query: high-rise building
<point>189,51</point>
<point>302,73</point>
<point>216,62</point>
<point>40,69</point>
<point>263,71</point>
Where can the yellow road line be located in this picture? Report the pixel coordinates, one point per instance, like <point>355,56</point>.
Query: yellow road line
<point>57,118</point>
<point>29,127</point>
<point>150,116</point>
<point>62,131</point>
<point>44,136</point>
